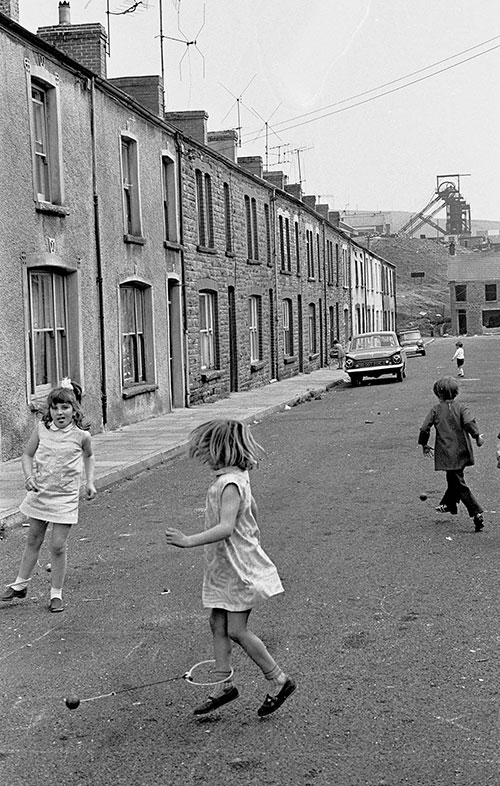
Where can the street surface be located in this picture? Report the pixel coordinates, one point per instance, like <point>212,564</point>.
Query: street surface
<point>390,621</point>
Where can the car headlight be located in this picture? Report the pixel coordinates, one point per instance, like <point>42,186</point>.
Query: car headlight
<point>396,358</point>
<point>349,363</point>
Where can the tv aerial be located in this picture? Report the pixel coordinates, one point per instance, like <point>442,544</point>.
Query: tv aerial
<point>238,102</point>
<point>266,126</point>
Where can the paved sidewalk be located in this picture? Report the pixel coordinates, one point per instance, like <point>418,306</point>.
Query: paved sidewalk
<point>129,450</point>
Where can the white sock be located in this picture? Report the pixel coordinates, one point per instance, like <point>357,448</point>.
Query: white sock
<point>20,584</point>
<point>55,593</point>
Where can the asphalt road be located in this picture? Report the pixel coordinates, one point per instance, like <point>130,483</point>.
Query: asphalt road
<point>390,621</point>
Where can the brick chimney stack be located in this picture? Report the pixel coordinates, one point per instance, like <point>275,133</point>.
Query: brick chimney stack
<point>10,8</point>
<point>84,43</point>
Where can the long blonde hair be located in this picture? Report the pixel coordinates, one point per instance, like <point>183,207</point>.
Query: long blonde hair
<point>224,443</point>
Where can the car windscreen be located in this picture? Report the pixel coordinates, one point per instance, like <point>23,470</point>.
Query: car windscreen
<point>414,336</point>
<point>373,342</point>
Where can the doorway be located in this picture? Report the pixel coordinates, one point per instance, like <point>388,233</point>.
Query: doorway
<point>233,341</point>
<point>175,353</point>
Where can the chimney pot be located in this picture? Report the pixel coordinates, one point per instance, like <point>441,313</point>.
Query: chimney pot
<point>64,12</point>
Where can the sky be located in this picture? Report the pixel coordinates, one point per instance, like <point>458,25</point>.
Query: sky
<point>303,79</point>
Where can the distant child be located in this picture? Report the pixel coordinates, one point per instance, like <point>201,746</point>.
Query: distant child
<point>238,573</point>
<point>453,452</point>
<point>459,356</point>
<point>340,354</point>
<point>58,445</point>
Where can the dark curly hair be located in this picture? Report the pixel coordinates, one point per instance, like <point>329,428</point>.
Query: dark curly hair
<point>63,396</point>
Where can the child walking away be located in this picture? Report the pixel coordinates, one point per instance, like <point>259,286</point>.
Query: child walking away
<point>57,446</point>
<point>340,354</point>
<point>452,452</point>
<point>238,573</point>
<point>459,356</point>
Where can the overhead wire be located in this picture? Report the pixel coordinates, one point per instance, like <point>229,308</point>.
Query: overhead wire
<point>380,87</point>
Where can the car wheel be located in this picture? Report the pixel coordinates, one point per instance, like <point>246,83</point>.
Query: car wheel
<point>400,375</point>
<point>424,353</point>
<point>355,380</point>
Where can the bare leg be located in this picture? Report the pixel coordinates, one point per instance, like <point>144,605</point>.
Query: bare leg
<point>58,551</point>
<point>253,646</point>
<point>36,535</point>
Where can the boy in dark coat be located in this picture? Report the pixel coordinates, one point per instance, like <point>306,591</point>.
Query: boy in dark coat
<point>452,452</point>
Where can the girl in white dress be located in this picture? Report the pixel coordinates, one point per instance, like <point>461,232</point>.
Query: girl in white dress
<point>52,465</point>
<point>238,573</point>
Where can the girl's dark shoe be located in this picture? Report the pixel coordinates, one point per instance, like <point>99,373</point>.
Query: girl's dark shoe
<point>212,703</point>
<point>11,593</point>
<point>478,522</point>
<point>273,703</point>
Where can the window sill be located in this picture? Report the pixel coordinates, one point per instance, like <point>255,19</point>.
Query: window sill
<point>50,209</point>
<point>311,278</point>
<point>257,365</point>
<point>210,375</point>
<point>230,254</point>
<point>313,355</point>
<point>137,240</point>
<point>172,245</point>
<point>285,272</point>
<point>206,250</point>
<point>288,359</point>
<point>138,390</point>
<point>254,262</point>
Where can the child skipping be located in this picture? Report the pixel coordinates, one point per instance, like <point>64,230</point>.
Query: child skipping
<point>238,573</point>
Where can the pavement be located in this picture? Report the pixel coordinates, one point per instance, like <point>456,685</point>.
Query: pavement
<point>129,450</point>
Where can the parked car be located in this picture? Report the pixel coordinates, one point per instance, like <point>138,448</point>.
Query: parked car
<point>412,341</point>
<point>373,355</point>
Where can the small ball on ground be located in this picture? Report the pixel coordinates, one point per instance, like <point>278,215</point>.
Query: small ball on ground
<point>72,702</point>
<point>423,497</point>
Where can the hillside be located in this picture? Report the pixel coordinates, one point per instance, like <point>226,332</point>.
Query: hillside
<point>428,294</point>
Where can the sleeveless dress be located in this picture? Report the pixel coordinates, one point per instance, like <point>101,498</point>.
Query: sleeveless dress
<point>238,573</point>
<point>57,470</point>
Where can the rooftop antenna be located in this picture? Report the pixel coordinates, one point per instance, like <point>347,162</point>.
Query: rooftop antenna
<point>126,8</point>
<point>185,40</point>
<point>279,148</point>
<point>238,101</point>
<point>266,126</point>
<point>300,150</point>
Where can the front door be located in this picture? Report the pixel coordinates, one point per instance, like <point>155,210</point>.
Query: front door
<point>233,346</point>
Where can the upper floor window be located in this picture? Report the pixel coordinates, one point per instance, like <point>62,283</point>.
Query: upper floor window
<point>252,228</point>
<point>318,255</point>
<point>46,143</point>
<point>309,253</point>
<point>287,327</point>
<point>297,246</point>
<point>329,262</point>
<point>136,333</point>
<point>48,336</point>
<point>490,291</point>
<point>227,219</point>
<point>130,186</point>
<point>255,327</point>
<point>204,208</point>
<point>461,292</point>
<point>284,233</point>
<point>169,199</point>
<point>267,219</point>
<point>208,330</point>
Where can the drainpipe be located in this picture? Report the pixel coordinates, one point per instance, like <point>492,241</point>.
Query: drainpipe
<point>99,280</point>
<point>276,279</point>
<point>325,358</point>
<point>180,149</point>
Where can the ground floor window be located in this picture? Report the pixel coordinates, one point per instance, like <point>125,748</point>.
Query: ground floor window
<point>287,327</point>
<point>136,333</point>
<point>255,327</point>
<point>491,318</point>
<point>208,330</point>
<point>48,329</point>
<point>312,329</point>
